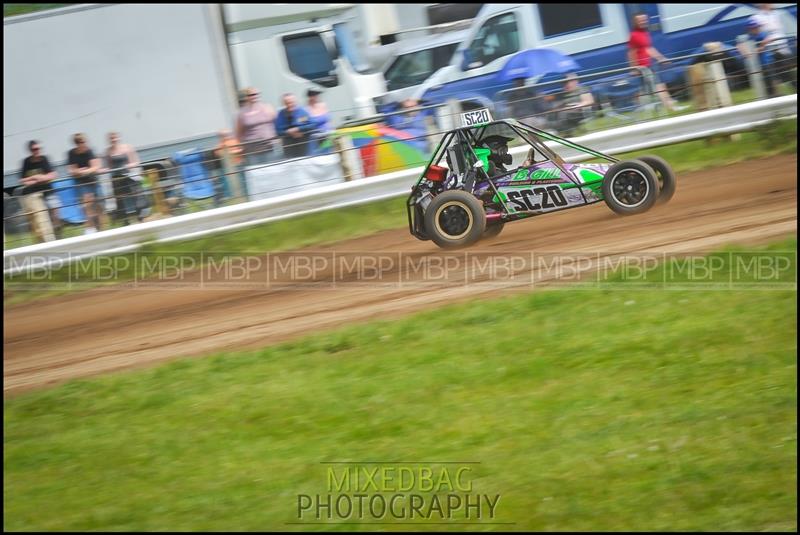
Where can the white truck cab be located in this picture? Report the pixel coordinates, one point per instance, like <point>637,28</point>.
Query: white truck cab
<point>290,48</point>
<point>415,61</point>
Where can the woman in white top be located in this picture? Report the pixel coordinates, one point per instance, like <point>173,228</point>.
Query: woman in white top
<point>783,64</point>
<point>771,24</point>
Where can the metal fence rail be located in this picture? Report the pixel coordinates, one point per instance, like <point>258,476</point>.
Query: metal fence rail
<point>634,137</point>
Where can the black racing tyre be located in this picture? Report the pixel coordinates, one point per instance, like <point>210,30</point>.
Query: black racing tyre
<point>665,176</point>
<point>493,229</point>
<point>630,187</point>
<point>454,219</point>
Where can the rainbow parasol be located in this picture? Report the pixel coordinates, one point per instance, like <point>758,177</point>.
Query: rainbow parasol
<point>384,149</point>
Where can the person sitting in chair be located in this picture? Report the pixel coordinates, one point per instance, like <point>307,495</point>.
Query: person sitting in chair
<point>574,106</point>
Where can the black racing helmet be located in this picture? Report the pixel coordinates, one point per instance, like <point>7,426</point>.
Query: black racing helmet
<point>499,147</point>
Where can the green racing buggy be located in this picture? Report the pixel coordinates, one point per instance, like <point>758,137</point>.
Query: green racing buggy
<point>469,190</point>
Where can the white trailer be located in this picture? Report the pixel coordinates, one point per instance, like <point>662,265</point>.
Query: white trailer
<point>156,73</point>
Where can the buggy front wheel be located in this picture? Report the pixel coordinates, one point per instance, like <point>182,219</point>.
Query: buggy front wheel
<point>455,219</point>
<point>630,187</point>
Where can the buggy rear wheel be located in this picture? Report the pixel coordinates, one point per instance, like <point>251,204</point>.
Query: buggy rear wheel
<point>665,176</point>
<point>630,187</point>
<point>455,219</point>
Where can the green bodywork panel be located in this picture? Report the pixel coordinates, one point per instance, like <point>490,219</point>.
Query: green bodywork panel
<point>483,155</point>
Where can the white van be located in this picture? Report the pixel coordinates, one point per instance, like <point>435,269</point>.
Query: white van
<point>414,61</point>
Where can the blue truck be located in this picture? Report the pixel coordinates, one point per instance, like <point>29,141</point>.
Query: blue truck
<point>594,35</point>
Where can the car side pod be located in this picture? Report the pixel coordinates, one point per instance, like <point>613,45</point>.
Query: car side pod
<point>630,187</point>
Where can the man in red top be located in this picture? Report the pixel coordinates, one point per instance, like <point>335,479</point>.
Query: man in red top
<point>640,52</point>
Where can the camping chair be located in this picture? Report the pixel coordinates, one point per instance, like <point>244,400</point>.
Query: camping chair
<point>71,210</point>
<point>621,97</point>
<point>197,184</point>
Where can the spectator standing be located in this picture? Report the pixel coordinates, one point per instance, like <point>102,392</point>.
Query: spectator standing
<point>770,22</point>
<point>320,118</point>
<point>228,155</point>
<point>121,159</point>
<point>640,54</point>
<point>255,128</point>
<point>318,110</point>
<point>294,125</point>
<point>760,41</point>
<point>38,198</point>
<point>783,63</point>
<point>84,166</point>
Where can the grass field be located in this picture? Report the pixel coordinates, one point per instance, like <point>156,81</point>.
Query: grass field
<point>601,409</point>
<point>335,225</point>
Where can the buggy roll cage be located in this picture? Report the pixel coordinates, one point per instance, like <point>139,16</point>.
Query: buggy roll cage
<point>469,137</point>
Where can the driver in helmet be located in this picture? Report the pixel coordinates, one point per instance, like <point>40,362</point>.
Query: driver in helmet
<point>499,156</point>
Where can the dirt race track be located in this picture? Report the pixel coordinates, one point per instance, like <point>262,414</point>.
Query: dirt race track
<point>107,329</point>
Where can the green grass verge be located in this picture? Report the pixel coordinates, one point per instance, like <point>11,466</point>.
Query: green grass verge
<point>11,10</point>
<point>336,225</point>
<point>769,140</point>
<point>587,410</point>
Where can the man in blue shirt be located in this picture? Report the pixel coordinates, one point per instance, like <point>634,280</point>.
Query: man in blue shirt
<point>320,118</point>
<point>295,126</point>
